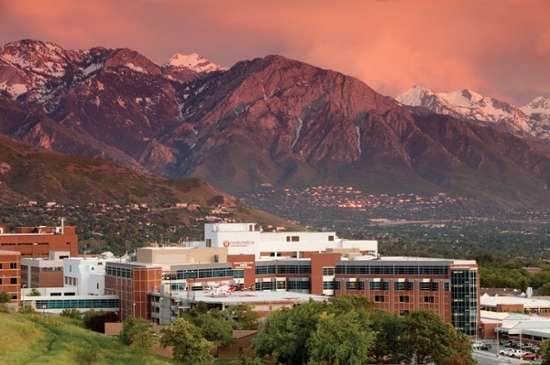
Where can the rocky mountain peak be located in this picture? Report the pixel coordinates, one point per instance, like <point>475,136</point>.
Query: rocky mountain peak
<point>193,62</point>
<point>133,60</point>
<point>538,105</point>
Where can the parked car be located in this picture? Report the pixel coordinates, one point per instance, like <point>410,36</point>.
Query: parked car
<point>506,352</point>
<point>477,344</point>
<point>530,356</point>
<point>518,353</point>
<point>486,346</point>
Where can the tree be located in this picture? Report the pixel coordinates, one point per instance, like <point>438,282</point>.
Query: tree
<point>284,333</point>
<point>544,351</point>
<point>138,334</point>
<point>341,339</point>
<point>34,293</point>
<point>242,316</point>
<point>4,297</point>
<point>214,329</point>
<point>189,347</point>
<point>388,328</point>
<point>427,338</point>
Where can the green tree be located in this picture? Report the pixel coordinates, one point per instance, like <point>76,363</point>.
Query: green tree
<point>341,339</point>
<point>4,297</point>
<point>388,328</point>
<point>284,333</point>
<point>34,293</point>
<point>214,329</point>
<point>427,338</point>
<point>189,347</point>
<point>242,316</point>
<point>544,352</point>
<point>138,334</point>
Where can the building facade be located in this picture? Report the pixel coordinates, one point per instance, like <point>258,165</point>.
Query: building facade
<point>38,242</point>
<point>10,275</point>
<point>309,263</point>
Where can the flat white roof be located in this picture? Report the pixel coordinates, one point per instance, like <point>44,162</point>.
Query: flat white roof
<point>489,301</point>
<point>251,297</point>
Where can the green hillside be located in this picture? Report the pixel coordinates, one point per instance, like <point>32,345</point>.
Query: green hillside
<point>46,340</point>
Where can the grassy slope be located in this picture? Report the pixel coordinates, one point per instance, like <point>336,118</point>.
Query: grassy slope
<point>56,340</point>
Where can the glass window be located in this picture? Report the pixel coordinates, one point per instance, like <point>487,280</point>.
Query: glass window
<point>379,298</point>
<point>399,285</point>
<point>13,265</point>
<point>403,299</point>
<point>13,280</point>
<point>374,285</point>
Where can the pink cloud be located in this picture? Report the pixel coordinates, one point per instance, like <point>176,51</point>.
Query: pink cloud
<point>499,49</point>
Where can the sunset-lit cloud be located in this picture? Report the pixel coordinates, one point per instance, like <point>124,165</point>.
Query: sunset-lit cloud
<point>497,48</point>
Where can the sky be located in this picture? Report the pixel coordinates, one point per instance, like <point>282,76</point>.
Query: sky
<point>498,48</point>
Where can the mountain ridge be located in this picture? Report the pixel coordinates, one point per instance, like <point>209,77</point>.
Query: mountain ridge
<point>269,121</point>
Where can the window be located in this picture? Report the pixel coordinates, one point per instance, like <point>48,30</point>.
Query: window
<point>399,285</point>
<point>13,280</point>
<point>447,286</point>
<point>435,286</point>
<point>425,286</point>
<point>428,299</point>
<point>328,285</point>
<point>295,238</point>
<point>351,285</point>
<point>328,271</point>
<point>97,286</point>
<point>378,298</point>
<point>13,265</point>
<point>403,299</point>
<point>374,285</point>
<point>410,285</point>
<point>385,285</point>
<point>331,238</point>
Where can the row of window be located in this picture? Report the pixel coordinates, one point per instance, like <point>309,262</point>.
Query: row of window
<point>218,272</point>
<point>13,265</point>
<point>367,268</point>
<point>77,303</point>
<point>404,299</point>
<point>5,281</point>
<point>283,269</point>
<point>118,272</point>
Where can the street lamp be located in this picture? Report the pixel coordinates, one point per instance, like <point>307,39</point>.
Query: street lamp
<point>23,295</point>
<point>498,341</point>
<point>43,309</point>
<point>134,311</point>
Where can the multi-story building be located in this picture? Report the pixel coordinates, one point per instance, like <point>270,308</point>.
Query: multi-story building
<point>10,275</point>
<point>309,263</point>
<point>40,272</point>
<point>35,242</point>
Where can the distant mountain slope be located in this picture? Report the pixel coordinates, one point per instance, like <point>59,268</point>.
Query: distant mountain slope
<point>28,172</point>
<point>531,121</point>
<point>270,121</point>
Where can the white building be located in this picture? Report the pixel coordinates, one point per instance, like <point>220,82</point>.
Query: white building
<point>244,238</point>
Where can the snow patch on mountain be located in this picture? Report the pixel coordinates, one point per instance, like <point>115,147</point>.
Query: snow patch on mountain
<point>471,106</point>
<point>538,105</point>
<point>194,62</point>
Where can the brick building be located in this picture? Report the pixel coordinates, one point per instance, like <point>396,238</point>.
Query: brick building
<point>38,242</point>
<point>10,274</point>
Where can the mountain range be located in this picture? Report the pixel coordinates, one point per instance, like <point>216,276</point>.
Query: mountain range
<point>271,122</point>
<point>531,121</point>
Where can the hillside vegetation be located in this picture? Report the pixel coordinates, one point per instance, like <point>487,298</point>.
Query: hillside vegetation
<point>37,339</point>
